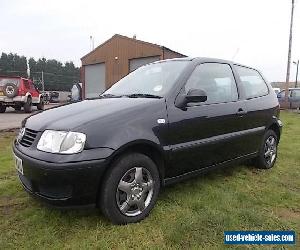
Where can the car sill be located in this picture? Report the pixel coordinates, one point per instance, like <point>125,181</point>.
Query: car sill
<point>175,179</point>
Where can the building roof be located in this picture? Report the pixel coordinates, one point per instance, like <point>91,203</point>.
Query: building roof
<point>133,39</point>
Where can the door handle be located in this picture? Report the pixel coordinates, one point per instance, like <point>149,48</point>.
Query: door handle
<point>241,112</point>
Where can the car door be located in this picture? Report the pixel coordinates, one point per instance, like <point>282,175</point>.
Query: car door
<point>204,134</point>
<point>295,99</point>
<point>281,99</point>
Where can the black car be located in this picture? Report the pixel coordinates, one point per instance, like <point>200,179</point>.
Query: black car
<point>162,123</point>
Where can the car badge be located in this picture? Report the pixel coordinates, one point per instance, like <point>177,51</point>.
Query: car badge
<point>161,121</point>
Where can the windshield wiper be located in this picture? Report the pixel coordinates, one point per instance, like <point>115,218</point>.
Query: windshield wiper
<point>109,96</point>
<point>143,96</point>
<point>103,96</point>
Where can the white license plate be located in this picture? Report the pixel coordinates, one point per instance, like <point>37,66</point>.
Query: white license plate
<point>19,164</point>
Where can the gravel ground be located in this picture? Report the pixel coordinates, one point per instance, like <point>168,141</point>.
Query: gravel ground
<point>12,119</point>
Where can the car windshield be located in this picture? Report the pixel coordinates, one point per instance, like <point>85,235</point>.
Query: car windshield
<point>152,80</point>
<point>4,81</point>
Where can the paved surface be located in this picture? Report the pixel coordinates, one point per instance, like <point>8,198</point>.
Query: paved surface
<point>12,119</point>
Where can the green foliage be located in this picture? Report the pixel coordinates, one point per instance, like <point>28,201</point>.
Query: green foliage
<point>13,64</point>
<point>189,215</point>
<point>57,76</point>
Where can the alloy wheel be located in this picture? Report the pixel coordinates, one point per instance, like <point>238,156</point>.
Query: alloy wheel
<point>270,150</point>
<point>134,191</point>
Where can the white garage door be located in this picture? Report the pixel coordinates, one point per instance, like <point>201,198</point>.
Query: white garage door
<point>94,80</point>
<point>138,62</point>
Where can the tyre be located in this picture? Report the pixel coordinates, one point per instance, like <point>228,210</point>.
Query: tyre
<point>28,105</point>
<point>40,105</point>
<point>10,90</point>
<point>130,189</point>
<point>2,108</point>
<point>268,151</point>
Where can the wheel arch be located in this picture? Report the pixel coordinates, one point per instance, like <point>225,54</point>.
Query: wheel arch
<point>27,96</point>
<point>276,128</point>
<point>148,148</point>
<point>140,146</point>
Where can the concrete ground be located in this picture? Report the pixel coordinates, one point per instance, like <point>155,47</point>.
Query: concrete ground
<point>12,119</point>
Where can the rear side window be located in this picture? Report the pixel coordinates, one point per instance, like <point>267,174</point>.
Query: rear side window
<point>4,81</point>
<point>26,84</point>
<point>296,93</point>
<point>254,85</point>
<point>216,80</point>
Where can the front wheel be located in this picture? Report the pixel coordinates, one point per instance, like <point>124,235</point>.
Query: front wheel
<point>40,105</point>
<point>28,105</point>
<point>268,151</point>
<point>130,189</point>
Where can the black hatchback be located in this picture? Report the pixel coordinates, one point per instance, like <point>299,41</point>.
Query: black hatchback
<point>162,123</point>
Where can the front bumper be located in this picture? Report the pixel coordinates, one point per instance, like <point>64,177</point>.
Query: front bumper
<point>61,184</point>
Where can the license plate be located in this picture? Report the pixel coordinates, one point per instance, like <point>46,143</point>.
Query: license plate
<point>19,164</point>
<point>1,93</point>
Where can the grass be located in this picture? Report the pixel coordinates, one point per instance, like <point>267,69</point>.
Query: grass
<point>192,214</point>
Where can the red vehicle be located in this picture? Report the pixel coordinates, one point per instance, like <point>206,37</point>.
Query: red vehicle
<point>18,92</point>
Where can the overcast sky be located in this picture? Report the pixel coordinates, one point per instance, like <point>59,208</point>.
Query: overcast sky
<point>252,32</point>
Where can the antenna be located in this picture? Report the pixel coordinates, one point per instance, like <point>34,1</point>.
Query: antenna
<point>235,53</point>
<point>91,43</point>
<point>28,68</point>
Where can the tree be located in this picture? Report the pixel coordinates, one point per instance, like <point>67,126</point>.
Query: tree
<point>57,76</point>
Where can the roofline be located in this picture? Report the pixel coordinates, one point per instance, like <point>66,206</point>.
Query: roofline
<point>131,39</point>
<point>12,76</point>
<point>163,47</point>
<point>97,47</point>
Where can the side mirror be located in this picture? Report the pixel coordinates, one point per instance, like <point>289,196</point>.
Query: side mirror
<point>196,95</point>
<point>193,95</point>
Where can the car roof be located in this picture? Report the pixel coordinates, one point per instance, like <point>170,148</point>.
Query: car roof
<point>290,89</point>
<point>2,76</point>
<point>205,59</point>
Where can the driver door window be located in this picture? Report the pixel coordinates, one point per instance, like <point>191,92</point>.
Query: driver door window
<point>281,95</point>
<point>216,80</point>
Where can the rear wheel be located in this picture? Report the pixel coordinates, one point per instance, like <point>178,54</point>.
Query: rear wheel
<point>2,108</point>
<point>130,189</point>
<point>268,151</point>
<point>28,105</point>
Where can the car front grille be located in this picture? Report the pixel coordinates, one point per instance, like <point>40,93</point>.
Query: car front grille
<point>28,137</point>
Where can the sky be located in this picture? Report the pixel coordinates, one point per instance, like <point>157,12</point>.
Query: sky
<point>251,32</point>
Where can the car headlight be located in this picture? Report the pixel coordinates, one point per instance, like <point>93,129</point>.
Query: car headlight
<point>61,142</point>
